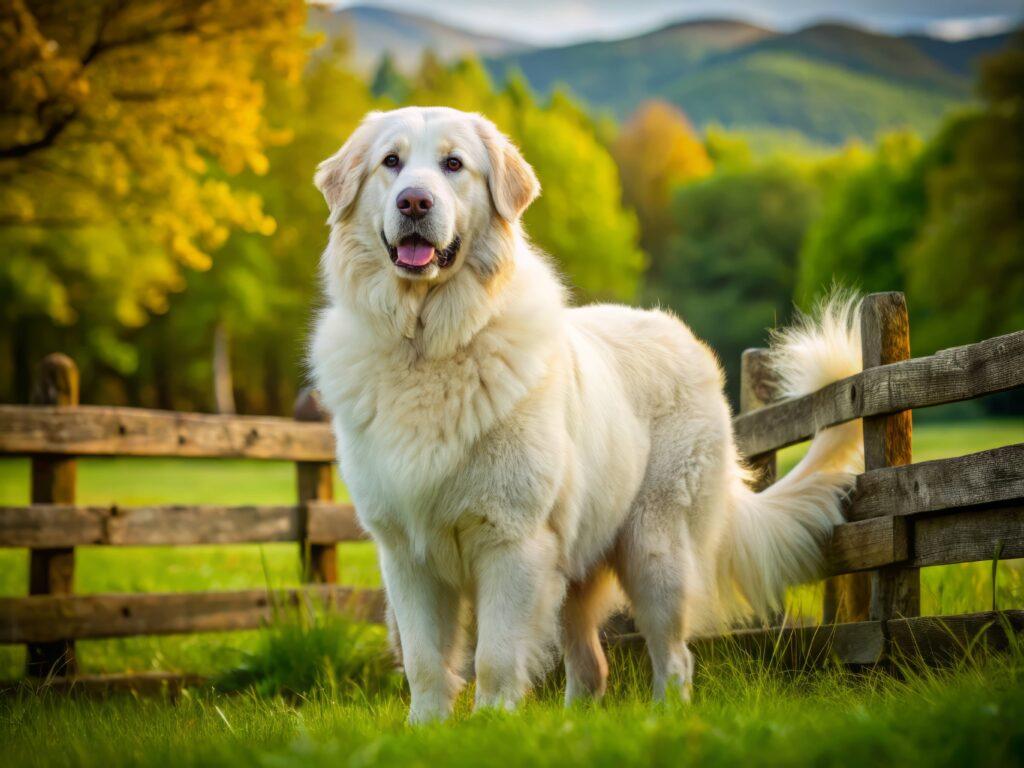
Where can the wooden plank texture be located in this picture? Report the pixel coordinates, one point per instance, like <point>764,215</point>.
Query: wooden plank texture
<point>47,618</point>
<point>969,536</point>
<point>885,339</point>
<point>986,477</point>
<point>54,480</point>
<point>102,431</point>
<point>860,643</point>
<point>966,535</point>
<point>757,389</point>
<point>960,373</point>
<point>940,639</point>
<point>867,545</point>
<point>314,483</point>
<point>329,522</point>
<point>59,525</point>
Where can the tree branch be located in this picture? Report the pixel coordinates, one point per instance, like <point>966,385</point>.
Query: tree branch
<point>52,133</point>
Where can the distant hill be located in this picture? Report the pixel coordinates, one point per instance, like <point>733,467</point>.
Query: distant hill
<point>829,82</point>
<point>406,36</point>
<point>962,55</point>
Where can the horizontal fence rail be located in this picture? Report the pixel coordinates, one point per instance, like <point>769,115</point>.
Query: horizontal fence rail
<point>56,525</point>
<point>969,535</point>
<point>47,618</point>
<point>952,375</point>
<point>986,477</point>
<point>99,431</point>
<point>864,642</point>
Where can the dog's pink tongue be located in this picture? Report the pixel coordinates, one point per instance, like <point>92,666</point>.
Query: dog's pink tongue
<point>415,254</point>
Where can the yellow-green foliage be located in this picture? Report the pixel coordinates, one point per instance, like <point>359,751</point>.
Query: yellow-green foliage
<point>656,151</point>
<point>120,123</point>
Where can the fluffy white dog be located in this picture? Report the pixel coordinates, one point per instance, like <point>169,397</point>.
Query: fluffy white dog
<point>522,460</point>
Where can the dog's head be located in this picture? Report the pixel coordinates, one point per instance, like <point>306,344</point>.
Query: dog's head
<point>421,188</point>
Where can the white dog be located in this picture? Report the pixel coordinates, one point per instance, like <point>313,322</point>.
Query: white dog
<point>524,460</point>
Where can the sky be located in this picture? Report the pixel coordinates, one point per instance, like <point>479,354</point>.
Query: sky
<point>547,22</point>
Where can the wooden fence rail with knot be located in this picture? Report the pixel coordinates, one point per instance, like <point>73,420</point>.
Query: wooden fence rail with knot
<point>900,517</point>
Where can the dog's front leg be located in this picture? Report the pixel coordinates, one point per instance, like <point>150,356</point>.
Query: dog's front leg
<point>519,590</point>
<point>427,613</point>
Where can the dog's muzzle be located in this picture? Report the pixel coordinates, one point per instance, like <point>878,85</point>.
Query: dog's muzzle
<point>414,253</point>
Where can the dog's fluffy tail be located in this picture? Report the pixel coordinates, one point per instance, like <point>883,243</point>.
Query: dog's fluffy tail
<point>776,537</point>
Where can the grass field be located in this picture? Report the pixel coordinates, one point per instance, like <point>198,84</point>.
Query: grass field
<point>743,711</point>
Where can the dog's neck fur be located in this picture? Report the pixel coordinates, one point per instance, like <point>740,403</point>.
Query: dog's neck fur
<point>440,319</point>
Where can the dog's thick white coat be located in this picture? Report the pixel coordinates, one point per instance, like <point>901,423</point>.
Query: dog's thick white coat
<point>523,460</point>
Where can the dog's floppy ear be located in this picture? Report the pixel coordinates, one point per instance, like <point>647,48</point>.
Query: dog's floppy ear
<point>340,176</point>
<point>512,182</point>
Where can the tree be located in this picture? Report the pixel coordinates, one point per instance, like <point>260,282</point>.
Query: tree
<point>388,82</point>
<point>730,270</point>
<point>872,212</point>
<point>656,151</point>
<point>727,149</point>
<point>262,290</point>
<point>122,125</point>
<point>966,268</point>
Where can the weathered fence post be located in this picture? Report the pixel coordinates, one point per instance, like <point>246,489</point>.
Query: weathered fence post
<point>315,483</point>
<point>757,389</point>
<point>52,571</point>
<point>885,338</point>
<point>894,590</point>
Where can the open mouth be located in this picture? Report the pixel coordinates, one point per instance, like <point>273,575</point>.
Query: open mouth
<point>415,253</point>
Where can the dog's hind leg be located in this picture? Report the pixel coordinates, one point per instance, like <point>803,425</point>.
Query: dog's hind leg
<point>654,567</point>
<point>587,605</point>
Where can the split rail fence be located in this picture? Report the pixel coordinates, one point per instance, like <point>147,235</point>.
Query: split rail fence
<point>901,516</point>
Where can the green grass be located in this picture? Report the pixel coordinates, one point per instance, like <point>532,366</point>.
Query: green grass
<point>743,713</point>
<point>321,692</point>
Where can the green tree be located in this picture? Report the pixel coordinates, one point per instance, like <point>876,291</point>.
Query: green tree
<point>966,269</point>
<point>872,212</point>
<point>730,270</point>
<point>388,82</point>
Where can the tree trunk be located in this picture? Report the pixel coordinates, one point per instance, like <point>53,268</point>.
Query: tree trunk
<point>21,359</point>
<point>272,382</point>
<point>223,388</point>
<point>163,369</point>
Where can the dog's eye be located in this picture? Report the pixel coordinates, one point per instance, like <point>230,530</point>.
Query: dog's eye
<point>391,161</point>
<point>452,164</point>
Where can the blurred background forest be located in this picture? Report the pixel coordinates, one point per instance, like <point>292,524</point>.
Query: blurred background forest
<point>158,221</point>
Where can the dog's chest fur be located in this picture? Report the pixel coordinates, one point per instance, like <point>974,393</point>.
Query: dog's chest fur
<point>414,431</point>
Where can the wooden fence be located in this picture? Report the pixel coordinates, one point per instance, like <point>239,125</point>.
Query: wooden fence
<point>901,516</point>
<point>56,429</point>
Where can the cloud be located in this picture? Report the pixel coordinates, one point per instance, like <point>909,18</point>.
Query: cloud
<point>549,22</point>
<point>967,26</point>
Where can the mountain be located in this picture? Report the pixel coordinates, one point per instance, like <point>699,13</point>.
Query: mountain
<point>829,82</point>
<point>374,31</point>
<point>960,56</point>
<point>826,83</point>
<point>618,73</point>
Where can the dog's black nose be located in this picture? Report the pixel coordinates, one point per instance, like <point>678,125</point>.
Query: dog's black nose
<point>414,202</point>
